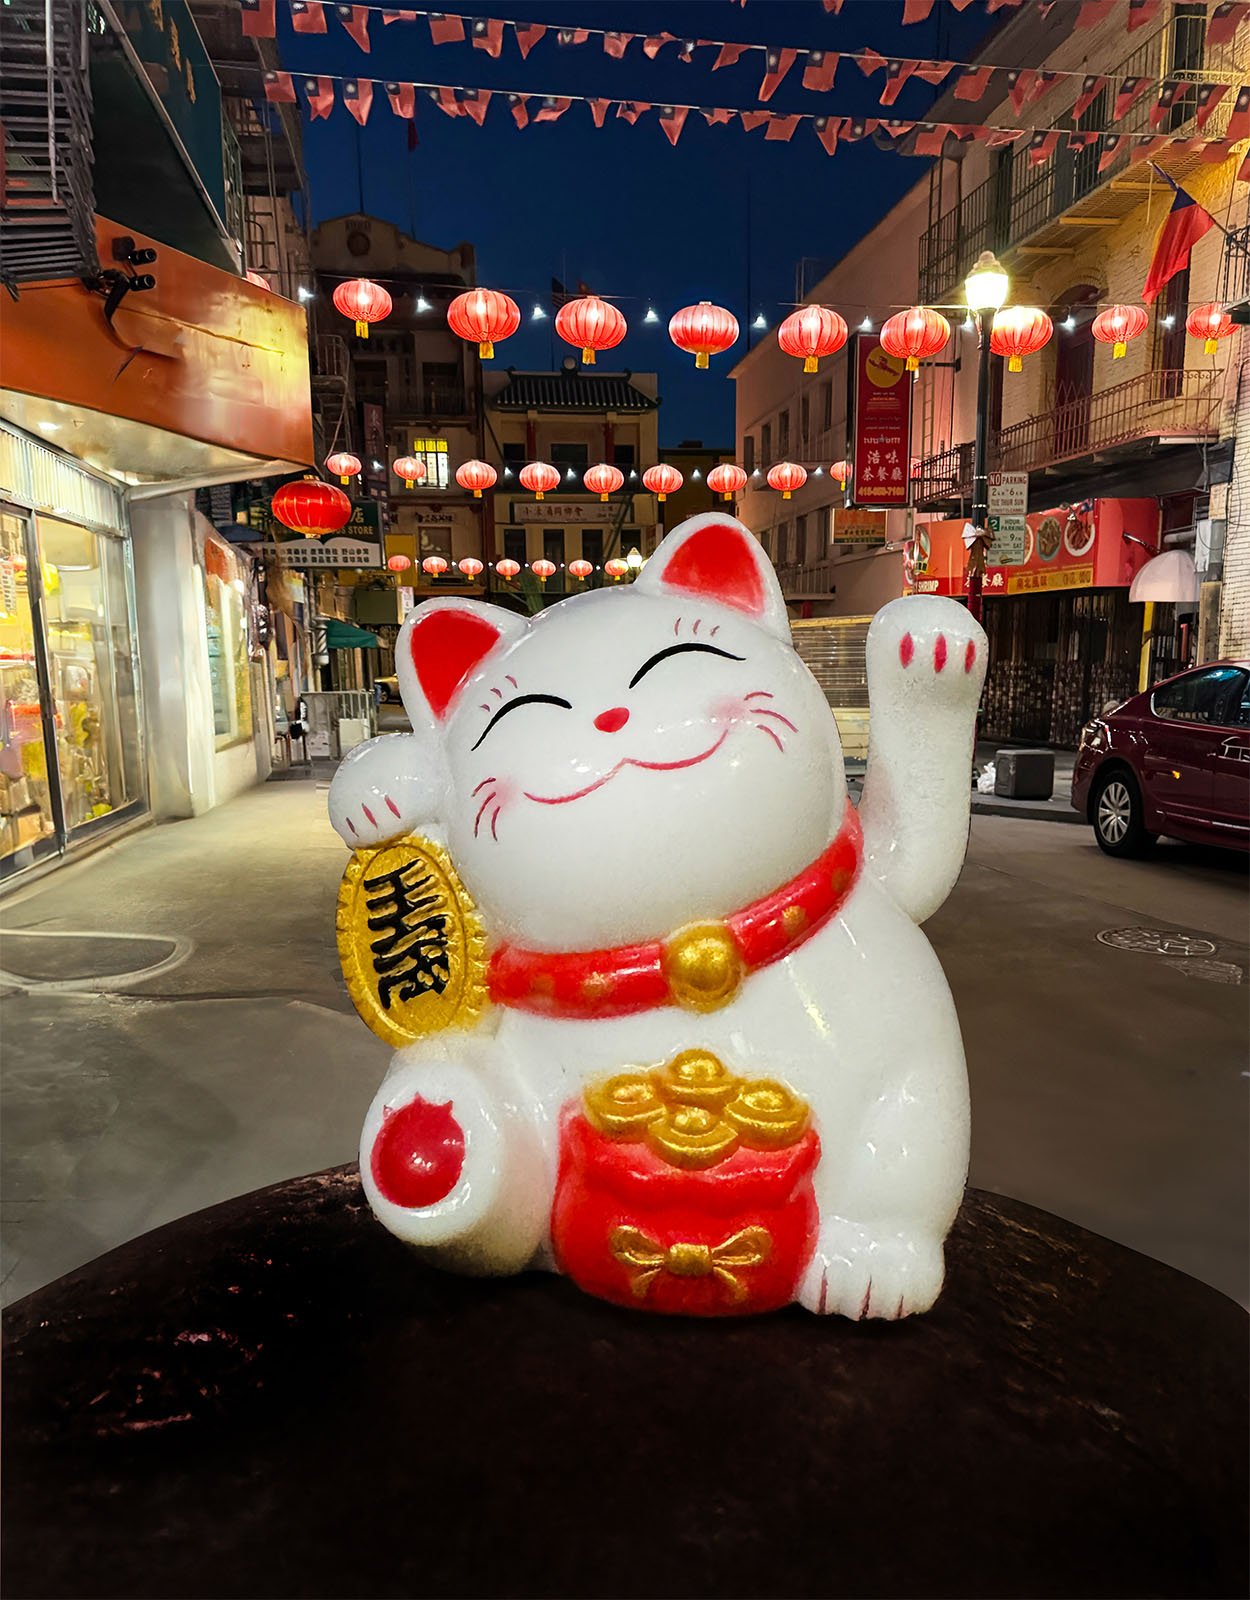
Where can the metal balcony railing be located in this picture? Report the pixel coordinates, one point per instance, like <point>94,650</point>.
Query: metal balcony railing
<point>429,402</point>
<point>1169,401</point>
<point>807,580</point>
<point>331,360</point>
<point>1019,199</point>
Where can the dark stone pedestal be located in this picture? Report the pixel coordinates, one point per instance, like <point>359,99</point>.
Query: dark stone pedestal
<point>272,1398</point>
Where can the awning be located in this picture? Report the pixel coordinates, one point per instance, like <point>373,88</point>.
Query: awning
<point>1169,578</point>
<point>346,636</point>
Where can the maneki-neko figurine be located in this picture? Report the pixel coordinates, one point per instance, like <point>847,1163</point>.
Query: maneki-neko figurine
<point>664,1018</point>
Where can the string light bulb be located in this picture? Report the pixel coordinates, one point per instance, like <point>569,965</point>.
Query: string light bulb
<point>538,314</point>
<point>423,304</point>
<point>651,315</point>
<point>866,325</point>
<point>1069,323</point>
<point>760,322</point>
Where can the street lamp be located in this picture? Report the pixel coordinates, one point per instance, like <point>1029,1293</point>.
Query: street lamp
<point>986,290</point>
<point>634,560</point>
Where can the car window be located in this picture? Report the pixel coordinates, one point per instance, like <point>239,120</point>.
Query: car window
<point>1206,697</point>
<point>1241,704</point>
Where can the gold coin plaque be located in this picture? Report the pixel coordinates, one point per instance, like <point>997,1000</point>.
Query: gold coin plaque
<point>410,941</point>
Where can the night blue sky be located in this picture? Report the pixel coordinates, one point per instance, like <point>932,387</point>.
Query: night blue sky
<point>723,216</point>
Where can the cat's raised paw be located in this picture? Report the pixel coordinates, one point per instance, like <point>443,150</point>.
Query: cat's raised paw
<point>857,1272</point>
<point>929,645</point>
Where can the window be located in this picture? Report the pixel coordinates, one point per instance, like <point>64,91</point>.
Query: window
<point>225,605</point>
<point>805,427</point>
<point>625,457</point>
<point>514,544</point>
<point>783,435</point>
<point>1212,697</point>
<point>801,554</point>
<point>433,454</point>
<point>443,383</point>
<point>783,544</point>
<point>1168,346</point>
<point>553,545</point>
<point>592,545</point>
<point>826,393</point>
<point>514,456</point>
<point>766,445</point>
<point>569,458</point>
<point>748,453</point>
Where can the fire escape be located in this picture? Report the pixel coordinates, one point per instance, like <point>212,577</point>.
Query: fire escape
<point>47,225</point>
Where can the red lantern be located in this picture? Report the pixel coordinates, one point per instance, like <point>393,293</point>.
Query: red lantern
<point>363,301</point>
<point>343,465</point>
<point>470,566</point>
<point>476,475</point>
<point>539,477</point>
<point>581,569</point>
<point>604,480</point>
<point>507,568</point>
<point>727,480</point>
<point>841,470</point>
<point>311,507</point>
<point>916,334</point>
<point>787,476</point>
<point>590,323</point>
<point>704,330</point>
<point>616,568</point>
<point>1020,331</point>
<point>259,279</point>
<point>812,332</point>
<point>543,569</point>
<point>662,480</point>
<point>1117,325</point>
<point>435,566</point>
<point>399,563</point>
<point>1210,323</point>
<point>409,469</point>
<point>483,316</point>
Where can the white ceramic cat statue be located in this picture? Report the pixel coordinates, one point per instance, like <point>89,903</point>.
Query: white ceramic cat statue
<point>717,1067</point>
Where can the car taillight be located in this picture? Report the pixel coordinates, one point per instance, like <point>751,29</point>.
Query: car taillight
<point>1091,736</point>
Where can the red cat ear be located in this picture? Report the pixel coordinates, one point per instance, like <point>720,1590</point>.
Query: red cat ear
<point>717,558</point>
<point>445,641</point>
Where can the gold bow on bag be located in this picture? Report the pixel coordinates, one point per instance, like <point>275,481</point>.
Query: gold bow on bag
<point>747,1248</point>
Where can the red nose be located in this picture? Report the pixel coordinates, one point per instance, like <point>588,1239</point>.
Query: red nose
<point>612,721</point>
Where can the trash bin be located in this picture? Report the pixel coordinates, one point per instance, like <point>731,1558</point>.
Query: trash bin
<point>1024,774</point>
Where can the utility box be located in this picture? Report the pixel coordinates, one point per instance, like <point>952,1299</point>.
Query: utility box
<point>1024,774</point>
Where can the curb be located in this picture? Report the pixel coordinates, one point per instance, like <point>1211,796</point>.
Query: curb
<point>1021,809</point>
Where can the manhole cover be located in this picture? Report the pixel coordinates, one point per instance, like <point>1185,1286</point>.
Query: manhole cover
<point>1156,942</point>
<point>1210,971</point>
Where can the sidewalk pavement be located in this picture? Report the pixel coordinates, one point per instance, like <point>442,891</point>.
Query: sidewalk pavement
<point>1057,809</point>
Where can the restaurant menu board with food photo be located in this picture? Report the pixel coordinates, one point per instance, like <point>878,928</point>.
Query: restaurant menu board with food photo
<point>882,452</point>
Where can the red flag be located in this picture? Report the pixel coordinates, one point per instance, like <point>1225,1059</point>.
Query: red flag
<point>631,110</point>
<point>445,99</point>
<point>569,36</point>
<point>598,110</point>
<point>830,5</point>
<point>308,16</point>
<point>1141,12</point>
<point>827,131</point>
<point>715,116</point>
<point>615,44</point>
<point>916,11</point>
<point>1000,138</point>
<point>527,35</point>
<point>474,103</point>
<point>399,16</point>
<point>355,20</point>
<point>487,34</point>
<point>1129,93</point>
<point>1225,20</point>
<point>856,128</point>
<point>553,107</point>
<point>973,82</point>
<point>279,89</point>
<point>1113,145</point>
<point>776,64</point>
<point>652,45</point>
<point>991,6</point>
<point>752,119</point>
<point>1083,140</point>
<point>1243,171</point>
<point>781,127</point>
<point>445,29</point>
<point>821,69</point>
<point>1020,85</point>
<point>1184,225</point>
<point>896,75</point>
<point>869,60</point>
<point>688,48</point>
<point>1239,118</point>
<point>320,93</point>
<point>1166,99</point>
<point>931,137</point>
<point>933,71</point>
<point>729,53</point>
<point>520,109</point>
<point>259,21</point>
<point>1091,87</point>
<point>1042,146</point>
<point>961,5</point>
<point>358,98</point>
<point>403,98</point>
<point>673,120</point>
<point>1209,96</point>
<point>1093,12</point>
<point>1143,149</point>
<point>1044,83</point>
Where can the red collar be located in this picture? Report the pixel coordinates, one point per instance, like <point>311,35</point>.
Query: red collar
<point>700,966</point>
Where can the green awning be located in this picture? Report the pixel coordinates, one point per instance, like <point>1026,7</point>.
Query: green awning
<point>346,636</point>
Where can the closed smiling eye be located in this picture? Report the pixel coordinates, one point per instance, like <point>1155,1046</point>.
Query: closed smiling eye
<point>679,650</point>
<point>521,700</point>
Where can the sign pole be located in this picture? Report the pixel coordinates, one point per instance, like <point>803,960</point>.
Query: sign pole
<point>980,473</point>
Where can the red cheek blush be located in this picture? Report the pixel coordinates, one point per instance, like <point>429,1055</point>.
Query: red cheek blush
<point>728,708</point>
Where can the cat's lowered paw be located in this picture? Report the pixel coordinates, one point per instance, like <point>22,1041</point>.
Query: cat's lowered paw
<point>926,646</point>
<point>382,790</point>
<point>860,1272</point>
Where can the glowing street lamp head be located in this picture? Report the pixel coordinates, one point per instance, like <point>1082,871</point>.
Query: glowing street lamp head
<point>986,285</point>
<point>634,560</point>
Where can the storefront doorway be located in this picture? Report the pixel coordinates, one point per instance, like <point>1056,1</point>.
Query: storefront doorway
<point>71,757</point>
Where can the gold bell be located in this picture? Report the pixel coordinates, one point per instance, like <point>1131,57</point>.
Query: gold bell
<point>702,966</point>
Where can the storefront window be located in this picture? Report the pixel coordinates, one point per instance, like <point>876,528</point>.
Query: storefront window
<point>225,604</point>
<point>26,814</point>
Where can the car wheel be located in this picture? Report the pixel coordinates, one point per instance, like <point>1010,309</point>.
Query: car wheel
<point>1116,813</point>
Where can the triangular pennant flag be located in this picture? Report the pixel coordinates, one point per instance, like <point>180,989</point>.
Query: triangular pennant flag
<point>1020,84</point>
<point>1143,149</point>
<point>519,104</point>
<point>753,119</point>
<point>1209,96</point>
<point>399,16</point>
<point>1128,94</point>
<point>896,75</point>
<point>729,53</point>
<point>1140,12</point>
<point>827,131</point>
<point>776,64</point>
<point>553,108</point>
<point>445,99</point>
<point>1091,88</point>
<point>1239,119</point>
<point>1093,12</point>
<point>445,28</point>
<point>631,110</point>
<point>598,110</point>
<point>527,35</point>
<point>930,137</point>
<point>403,98</point>
<point>569,36</point>
<point>1168,91</point>
<point>259,19</point>
<point>1043,84</point>
<point>279,89</point>
<point>688,48</point>
<point>1000,138</point>
<point>973,82</point>
<point>1225,20</point>
<point>1083,140</point>
<point>652,45</point>
<point>320,93</point>
<point>1112,146</point>
<point>615,44</point>
<point>830,5</point>
<point>781,127</point>
<point>869,60</point>
<point>673,120</point>
<point>933,71</point>
<point>1213,150</point>
<point>358,98</point>
<point>355,20</point>
<point>856,128</point>
<point>487,34</point>
<point>475,102</point>
<point>1042,146</point>
<point>821,69</point>
<point>961,5</point>
<point>916,11</point>
<point>714,116</point>
<point>308,16</point>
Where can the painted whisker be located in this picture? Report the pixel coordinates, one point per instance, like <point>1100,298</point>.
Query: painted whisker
<point>494,819</point>
<point>477,821</point>
<point>483,784</point>
<point>770,734</point>
<point>763,711</point>
<point>760,694</point>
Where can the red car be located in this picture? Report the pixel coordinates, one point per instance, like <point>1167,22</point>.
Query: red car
<point>1175,760</point>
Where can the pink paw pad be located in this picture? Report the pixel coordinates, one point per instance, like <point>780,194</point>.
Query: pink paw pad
<point>970,656</point>
<point>391,806</point>
<point>939,652</point>
<point>373,821</point>
<point>906,649</point>
<point>418,1155</point>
